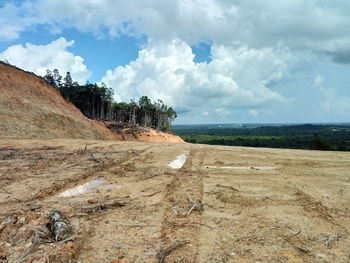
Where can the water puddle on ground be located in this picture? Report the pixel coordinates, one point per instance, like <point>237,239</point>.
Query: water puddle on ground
<point>179,161</point>
<point>88,187</point>
<point>242,167</point>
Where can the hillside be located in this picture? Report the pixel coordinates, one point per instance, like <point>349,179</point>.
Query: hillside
<point>122,202</point>
<point>29,107</point>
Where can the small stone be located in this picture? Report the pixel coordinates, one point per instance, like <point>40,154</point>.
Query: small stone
<point>34,206</point>
<point>124,259</point>
<point>22,220</point>
<point>59,227</point>
<point>92,201</point>
<point>118,246</point>
<point>7,220</point>
<point>88,248</point>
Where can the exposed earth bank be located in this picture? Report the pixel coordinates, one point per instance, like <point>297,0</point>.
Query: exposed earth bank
<point>30,108</point>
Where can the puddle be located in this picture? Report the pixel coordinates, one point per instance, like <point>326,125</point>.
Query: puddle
<point>88,187</point>
<point>242,167</point>
<point>178,162</point>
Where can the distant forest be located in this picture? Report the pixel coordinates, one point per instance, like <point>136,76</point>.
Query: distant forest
<point>96,102</point>
<point>306,136</point>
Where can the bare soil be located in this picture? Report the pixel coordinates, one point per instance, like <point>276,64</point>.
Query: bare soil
<point>297,212</point>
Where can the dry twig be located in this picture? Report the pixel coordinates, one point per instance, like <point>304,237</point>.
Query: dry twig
<point>227,186</point>
<point>163,253</point>
<point>148,177</point>
<point>289,238</point>
<point>101,206</point>
<point>97,160</point>
<point>196,205</point>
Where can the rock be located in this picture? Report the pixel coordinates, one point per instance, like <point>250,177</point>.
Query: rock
<point>59,226</point>
<point>118,246</point>
<point>88,248</point>
<point>93,201</point>
<point>124,259</point>
<point>61,230</point>
<point>7,220</point>
<point>121,259</point>
<point>34,206</point>
<point>22,220</point>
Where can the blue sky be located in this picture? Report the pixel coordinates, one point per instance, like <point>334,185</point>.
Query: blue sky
<point>214,61</point>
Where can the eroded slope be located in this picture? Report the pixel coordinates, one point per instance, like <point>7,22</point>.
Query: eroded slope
<point>31,108</point>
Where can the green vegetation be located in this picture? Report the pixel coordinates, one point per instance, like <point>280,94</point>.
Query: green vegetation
<point>96,102</point>
<point>307,136</point>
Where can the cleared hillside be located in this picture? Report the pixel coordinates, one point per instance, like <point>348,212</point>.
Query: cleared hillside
<point>31,108</point>
<point>124,203</point>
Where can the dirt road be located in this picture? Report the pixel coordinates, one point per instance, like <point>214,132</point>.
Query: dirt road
<point>124,203</point>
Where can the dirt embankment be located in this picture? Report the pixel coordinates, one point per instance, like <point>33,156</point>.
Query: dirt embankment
<point>29,107</point>
<point>138,133</point>
<point>148,135</point>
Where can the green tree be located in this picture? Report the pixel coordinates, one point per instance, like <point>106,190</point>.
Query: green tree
<point>57,78</point>
<point>319,143</point>
<point>49,78</point>
<point>343,146</point>
<point>68,81</point>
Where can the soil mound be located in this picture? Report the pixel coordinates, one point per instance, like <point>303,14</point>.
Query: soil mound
<point>123,132</point>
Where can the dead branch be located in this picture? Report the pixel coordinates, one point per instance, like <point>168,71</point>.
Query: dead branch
<point>190,224</point>
<point>148,177</point>
<point>227,186</point>
<point>289,238</point>
<point>23,257</point>
<point>163,253</point>
<point>195,205</point>
<point>152,194</point>
<point>100,206</point>
<point>97,160</point>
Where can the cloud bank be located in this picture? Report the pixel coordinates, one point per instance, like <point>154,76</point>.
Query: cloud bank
<point>38,58</point>
<point>236,77</point>
<point>264,53</point>
<point>317,26</point>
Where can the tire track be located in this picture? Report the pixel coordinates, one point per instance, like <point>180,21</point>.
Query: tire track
<point>181,222</point>
<point>80,175</point>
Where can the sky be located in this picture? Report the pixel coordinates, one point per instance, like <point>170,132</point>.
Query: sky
<point>213,61</point>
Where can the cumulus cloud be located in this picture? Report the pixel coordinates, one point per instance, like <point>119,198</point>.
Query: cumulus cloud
<point>236,77</point>
<point>331,100</point>
<point>38,58</point>
<point>253,113</point>
<point>319,26</point>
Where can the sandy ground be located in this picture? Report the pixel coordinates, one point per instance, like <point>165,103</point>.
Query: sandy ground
<point>146,211</point>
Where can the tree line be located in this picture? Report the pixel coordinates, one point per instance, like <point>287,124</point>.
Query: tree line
<point>307,136</point>
<point>96,102</point>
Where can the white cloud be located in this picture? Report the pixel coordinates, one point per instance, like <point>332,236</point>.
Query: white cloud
<point>38,58</point>
<point>236,77</point>
<point>331,101</point>
<point>319,81</point>
<point>253,113</point>
<point>319,26</point>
